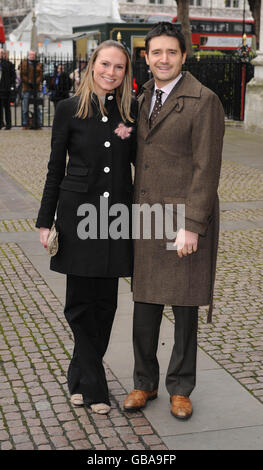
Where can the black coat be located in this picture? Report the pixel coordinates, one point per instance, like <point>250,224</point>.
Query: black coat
<point>99,166</point>
<point>8,78</point>
<point>60,90</point>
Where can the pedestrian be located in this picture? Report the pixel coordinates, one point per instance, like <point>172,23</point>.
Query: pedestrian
<point>31,74</point>
<point>96,128</point>
<point>77,75</point>
<point>7,89</point>
<point>180,134</point>
<point>59,85</point>
<point>140,69</point>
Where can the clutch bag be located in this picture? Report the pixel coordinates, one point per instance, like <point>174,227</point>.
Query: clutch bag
<point>52,241</point>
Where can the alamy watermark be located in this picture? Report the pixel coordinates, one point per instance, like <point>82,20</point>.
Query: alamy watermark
<point>143,221</point>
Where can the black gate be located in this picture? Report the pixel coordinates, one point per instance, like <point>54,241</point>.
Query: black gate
<point>225,75</point>
<point>39,82</point>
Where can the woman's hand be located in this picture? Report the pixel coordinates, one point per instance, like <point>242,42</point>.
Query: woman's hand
<point>44,233</point>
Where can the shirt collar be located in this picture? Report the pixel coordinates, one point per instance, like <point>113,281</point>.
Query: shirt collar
<point>168,88</point>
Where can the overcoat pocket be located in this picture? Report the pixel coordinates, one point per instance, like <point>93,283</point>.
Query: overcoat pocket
<point>76,180</point>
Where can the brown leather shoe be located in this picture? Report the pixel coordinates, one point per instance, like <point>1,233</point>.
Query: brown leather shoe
<point>137,399</point>
<point>181,406</point>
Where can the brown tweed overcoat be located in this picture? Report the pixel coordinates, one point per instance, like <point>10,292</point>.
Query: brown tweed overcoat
<point>178,162</point>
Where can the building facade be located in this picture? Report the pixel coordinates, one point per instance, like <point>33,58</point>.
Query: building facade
<point>207,8</point>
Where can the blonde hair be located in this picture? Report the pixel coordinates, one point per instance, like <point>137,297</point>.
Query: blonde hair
<point>86,89</point>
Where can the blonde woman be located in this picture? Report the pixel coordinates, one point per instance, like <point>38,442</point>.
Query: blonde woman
<point>96,128</point>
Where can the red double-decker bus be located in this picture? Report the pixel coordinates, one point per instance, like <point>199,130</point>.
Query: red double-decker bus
<point>2,31</point>
<point>213,33</point>
<point>223,34</point>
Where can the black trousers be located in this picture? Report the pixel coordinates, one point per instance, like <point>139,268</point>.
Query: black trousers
<point>5,105</point>
<point>181,374</point>
<point>90,308</point>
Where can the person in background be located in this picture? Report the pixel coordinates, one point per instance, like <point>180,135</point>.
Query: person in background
<point>77,75</point>
<point>7,88</point>
<point>141,71</point>
<point>31,75</point>
<point>59,85</point>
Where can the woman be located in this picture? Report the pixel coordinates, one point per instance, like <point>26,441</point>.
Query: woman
<point>96,128</point>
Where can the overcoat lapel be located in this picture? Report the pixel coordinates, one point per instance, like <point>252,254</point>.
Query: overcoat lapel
<point>174,102</point>
<point>144,109</point>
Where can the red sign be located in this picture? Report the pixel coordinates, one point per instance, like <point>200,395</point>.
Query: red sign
<point>2,31</point>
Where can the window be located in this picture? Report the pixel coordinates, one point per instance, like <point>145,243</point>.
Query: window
<point>197,3</point>
<point>232,3</point>
<point>205,27</point>
<point>248,28</point>
<point>238,27</point>
<point>221,27</point>
<point>156,1</point>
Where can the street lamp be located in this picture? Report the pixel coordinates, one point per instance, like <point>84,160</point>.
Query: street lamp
<point>244,16</point>
<point>34,42</point>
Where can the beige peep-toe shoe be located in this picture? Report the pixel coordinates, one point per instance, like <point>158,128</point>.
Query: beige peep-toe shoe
<point>100,408</point>
<point>77,399</point>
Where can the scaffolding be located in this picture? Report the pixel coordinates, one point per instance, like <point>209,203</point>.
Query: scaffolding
<point>13,12</point>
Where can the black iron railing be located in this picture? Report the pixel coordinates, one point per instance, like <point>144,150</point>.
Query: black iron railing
<point>225,75</point>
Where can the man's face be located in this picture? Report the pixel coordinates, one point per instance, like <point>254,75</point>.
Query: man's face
<point>165,59</point>
<point>31,55</point>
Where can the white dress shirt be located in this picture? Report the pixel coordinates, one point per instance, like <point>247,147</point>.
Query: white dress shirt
<point>166,91</point>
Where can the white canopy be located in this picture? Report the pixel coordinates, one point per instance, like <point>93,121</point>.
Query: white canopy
<point>56,18</point>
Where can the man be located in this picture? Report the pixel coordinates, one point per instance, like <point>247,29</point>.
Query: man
<point>31,74</point>
<point>180,135</point>
<point>7,88</point>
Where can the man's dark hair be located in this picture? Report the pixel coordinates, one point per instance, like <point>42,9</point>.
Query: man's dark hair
<point>164,28</point>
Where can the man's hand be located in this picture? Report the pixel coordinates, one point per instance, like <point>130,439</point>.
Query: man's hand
<point>44,233</point>
<point>186,242</point>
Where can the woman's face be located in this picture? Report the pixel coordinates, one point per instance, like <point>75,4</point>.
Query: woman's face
<point>109,70</point>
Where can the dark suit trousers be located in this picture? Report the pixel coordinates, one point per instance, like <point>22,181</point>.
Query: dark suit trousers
<point>181,374</point>
<point>90,308</point>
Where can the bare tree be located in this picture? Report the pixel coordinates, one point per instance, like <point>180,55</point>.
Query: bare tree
<point>183,18</point>
<point>255,10</point>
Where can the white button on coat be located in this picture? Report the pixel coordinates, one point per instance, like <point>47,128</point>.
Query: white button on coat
<point>106,169</point>
<point>107,144</point>
<point>106,194</point>
<point>105,119</point>
<point>110,97</point>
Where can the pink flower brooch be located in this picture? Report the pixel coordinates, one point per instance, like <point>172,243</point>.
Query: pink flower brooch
<point>122,131</point>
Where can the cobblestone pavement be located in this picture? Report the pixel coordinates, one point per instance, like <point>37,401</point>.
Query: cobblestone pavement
<point>36,343</point>
<point>234,339</point>
<point>35,347</point>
